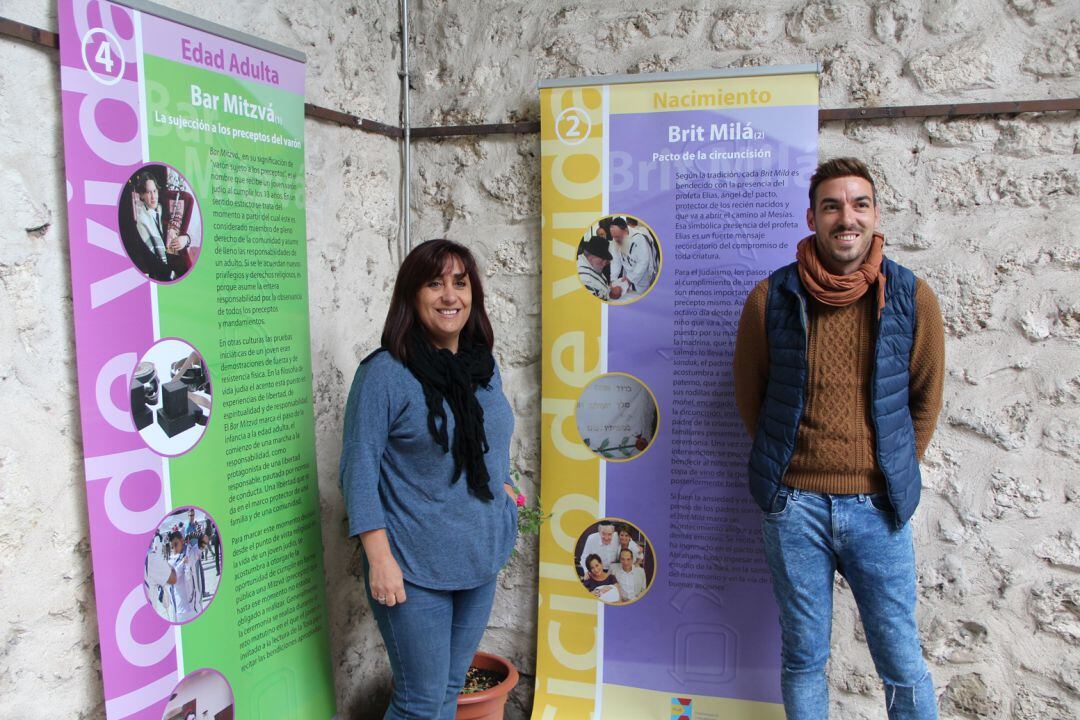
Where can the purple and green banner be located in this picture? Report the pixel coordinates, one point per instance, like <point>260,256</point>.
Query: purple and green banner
<point>665,199</point>
<point>184,150</point>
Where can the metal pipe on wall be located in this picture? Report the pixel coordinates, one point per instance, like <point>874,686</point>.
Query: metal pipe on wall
<point>406,128</point>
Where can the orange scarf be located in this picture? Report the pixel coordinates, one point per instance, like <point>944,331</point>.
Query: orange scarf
<point>840,290</point>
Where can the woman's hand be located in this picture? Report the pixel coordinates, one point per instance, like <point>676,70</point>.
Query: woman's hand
<point>384,574</point>
<point>387,584</point>
<point>510,491</point>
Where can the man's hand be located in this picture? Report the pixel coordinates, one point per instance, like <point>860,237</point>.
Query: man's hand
<point>616,292</point>
<point>174,241</point>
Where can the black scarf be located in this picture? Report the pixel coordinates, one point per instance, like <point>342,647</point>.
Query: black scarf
<point>454,378</point>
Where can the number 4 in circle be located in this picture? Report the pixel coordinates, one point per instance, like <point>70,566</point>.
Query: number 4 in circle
<point>102,56</point>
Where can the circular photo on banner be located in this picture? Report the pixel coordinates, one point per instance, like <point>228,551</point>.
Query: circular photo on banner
<point>617,417</point>
<point>170,397</point>
<point>615,561</point>
<point>618,259</point>
<point>160,223</point>
<point>202,695</point>
<point>182,568</point>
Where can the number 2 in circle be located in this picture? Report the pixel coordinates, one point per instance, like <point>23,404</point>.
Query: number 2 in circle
<point>573,126</point>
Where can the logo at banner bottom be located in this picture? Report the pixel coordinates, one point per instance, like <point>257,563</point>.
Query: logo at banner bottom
<point>682,708</point>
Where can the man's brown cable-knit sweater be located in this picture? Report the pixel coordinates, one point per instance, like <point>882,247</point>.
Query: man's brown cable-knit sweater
<point>834,452</point>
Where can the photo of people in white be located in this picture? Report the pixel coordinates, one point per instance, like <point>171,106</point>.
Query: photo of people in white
<point>616,416</point>
<point>618,258</point>
<point>182,567</point>
<point>614,561</point>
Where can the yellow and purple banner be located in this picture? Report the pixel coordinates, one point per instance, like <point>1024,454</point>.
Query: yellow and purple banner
<point>184,152</point>
<point>665,198</point>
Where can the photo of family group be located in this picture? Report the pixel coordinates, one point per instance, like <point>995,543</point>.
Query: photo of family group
<point>170,397</point>
<point>618,259</point>
<point>160,223</point>
<point>202,695</point>
<point>182,567</point>
<point>614,561</point>
<point>616,416</point>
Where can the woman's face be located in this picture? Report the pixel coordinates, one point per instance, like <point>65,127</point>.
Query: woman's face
<point>596,569</point>
<point>624,538</point>
<point>444,303</point>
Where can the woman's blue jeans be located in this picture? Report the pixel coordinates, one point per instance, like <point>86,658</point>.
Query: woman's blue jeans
<point>808,537</point>
<point>431,639</point>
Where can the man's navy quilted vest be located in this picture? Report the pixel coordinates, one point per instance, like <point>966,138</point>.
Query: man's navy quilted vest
<point>785,395</point>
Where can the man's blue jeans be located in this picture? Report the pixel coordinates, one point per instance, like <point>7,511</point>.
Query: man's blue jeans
<point>808,537</point>
<point>431,639</point>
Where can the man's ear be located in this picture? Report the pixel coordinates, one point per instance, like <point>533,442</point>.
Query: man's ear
<point>810,219</point>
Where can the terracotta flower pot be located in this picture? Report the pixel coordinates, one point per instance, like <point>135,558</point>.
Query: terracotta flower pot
<point>488,704</point>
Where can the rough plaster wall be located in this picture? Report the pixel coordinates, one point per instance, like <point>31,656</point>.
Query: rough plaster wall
<point>49,659</point>
<point>984,208</point>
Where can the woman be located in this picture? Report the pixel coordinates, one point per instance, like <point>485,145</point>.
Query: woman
<point>599,581</point>
<point>626,543</point>
<point>425,467</point>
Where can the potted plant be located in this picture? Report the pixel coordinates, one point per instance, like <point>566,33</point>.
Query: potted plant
<point>491,677</point>
<point>490,680</point>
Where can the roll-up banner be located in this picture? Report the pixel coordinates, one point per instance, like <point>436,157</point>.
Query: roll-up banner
<point>184,149</point>
<point>665,199</point>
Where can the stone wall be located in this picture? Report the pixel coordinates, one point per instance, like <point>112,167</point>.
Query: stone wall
<point>49,659</point>
<point>984,208</point>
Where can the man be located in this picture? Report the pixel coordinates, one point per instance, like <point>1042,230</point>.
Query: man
<point>192,526</point>
<point>187,596</point>
<point>641,234</point>
<point>592,260</point>
<point>631,577</point>
<point>603,544</point>
<point>158,246</point>
<point>633,257</point>
<point>149,251</point>
<point>158,575</point>
<point>838,370</point>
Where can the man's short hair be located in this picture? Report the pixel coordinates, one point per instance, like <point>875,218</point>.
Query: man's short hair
<point>619,223</point>
<point>840,167</point>
<point>601,526</point>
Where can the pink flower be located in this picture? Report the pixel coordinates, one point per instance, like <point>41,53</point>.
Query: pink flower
<point>521,500</point>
